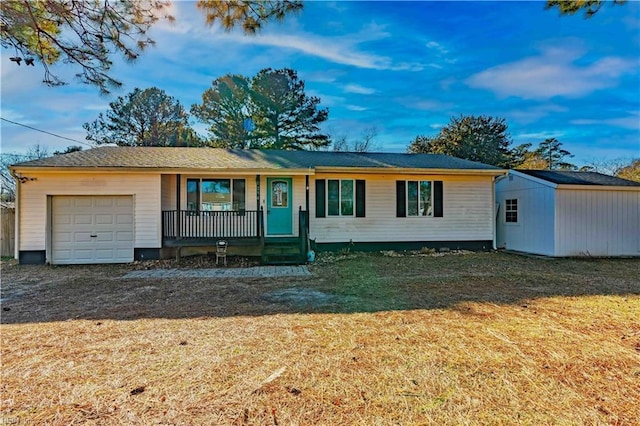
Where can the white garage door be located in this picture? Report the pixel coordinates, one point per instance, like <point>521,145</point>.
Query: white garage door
<point>88,229</point>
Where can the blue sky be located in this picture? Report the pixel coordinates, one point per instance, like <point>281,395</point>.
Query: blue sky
<point>403,68</point>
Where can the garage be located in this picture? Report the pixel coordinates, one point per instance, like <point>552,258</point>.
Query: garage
<point>91,229</point>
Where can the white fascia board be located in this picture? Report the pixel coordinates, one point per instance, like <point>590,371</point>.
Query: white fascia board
<point>599,188</point>
<point>410,171</point>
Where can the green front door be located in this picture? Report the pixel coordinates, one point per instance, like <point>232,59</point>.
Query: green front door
<point>279,210</point>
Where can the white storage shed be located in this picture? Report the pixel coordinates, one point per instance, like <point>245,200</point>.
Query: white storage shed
<point>566,213</point>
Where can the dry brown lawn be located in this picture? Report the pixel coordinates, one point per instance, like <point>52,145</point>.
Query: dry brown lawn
<point>486,338</point>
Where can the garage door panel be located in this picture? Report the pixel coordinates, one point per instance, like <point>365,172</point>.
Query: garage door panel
<point>104,219</point>
<point>124,219</point>
<point>102,237</point>
<point>62,219</point>
<point>82,237</point>
<point>124,236</point>
<point>63,237</point>
<point>82,219</point>
<point>124,202</point>
<point>80,202</point>
<point>104,254</point>
<point>108,218</point>
<point>83,254</point>
<point>104,202</point>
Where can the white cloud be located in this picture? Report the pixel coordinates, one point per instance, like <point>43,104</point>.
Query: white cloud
<point>431,105</point>
<point>528,115</point>
<point>552,73</point>
<point>355,108</point>
<point>433,45</point>
<point>539,135</point>
<point>339,49</point>
<point>629,122</point>
<point>12,115</point>
<point>361,90</point>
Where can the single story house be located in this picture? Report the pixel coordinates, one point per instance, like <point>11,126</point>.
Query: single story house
<point>119,204</point>
<point>566,213</point>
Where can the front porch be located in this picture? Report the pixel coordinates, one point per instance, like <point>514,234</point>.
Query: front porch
<point>186,232</point>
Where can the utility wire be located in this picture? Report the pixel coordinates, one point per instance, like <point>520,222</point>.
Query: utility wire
<point>44,131</point>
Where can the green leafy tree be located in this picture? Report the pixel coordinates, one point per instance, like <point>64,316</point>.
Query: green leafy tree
<point>225,107</point>
<point>88,33</point>
<point>476,138</point>
<point>147,117</point>
<point>280,112</point>
<point>551,152</point>
<point>571,7</point>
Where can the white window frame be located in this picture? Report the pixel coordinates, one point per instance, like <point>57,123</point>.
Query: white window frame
<point>200,180</point>
<point>508,208</point>
<point>353,198</point>
<point>430,212</point>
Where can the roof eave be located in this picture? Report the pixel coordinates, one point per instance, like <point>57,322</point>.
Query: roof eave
<point>410,171</point>
<point>599,187</point>
<point>169,170</point>
<point>237,171</point>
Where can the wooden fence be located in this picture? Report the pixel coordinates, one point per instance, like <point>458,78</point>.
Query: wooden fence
<point>7,231</point>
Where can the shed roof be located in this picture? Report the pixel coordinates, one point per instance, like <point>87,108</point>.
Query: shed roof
<point>578,178</point>
<point>225,159</point>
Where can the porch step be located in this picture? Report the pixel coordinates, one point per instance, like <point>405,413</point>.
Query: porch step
<point>282,251</point>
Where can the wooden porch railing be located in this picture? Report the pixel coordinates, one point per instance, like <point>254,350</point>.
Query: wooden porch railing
<point>179,224</point>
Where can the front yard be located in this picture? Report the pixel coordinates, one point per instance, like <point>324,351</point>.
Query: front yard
<point>486,338</point>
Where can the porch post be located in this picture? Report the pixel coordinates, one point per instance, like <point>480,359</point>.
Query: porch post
<point>178,203</point>
<point>306,179</point>
<point>257,192</point>
<point>260,223</point>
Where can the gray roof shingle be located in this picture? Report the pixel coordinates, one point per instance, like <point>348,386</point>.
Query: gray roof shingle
<point>578,178</point>
<point>225,159</point>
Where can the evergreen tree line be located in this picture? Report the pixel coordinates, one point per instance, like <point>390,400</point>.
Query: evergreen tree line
<point>487,140</point>
<point>270,110</point>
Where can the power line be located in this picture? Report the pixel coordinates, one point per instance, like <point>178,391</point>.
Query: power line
<point>44,131</point>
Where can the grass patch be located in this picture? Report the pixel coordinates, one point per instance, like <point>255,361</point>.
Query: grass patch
<point>483,338</point>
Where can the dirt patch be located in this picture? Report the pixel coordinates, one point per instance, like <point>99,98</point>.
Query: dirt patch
<point>300,296</point>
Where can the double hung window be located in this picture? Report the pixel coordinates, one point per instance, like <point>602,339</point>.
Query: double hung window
<point>215,194</point>
<point>340,196</point>
<point>511,210</point>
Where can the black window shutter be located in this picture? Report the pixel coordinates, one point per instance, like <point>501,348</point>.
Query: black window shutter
<point>437,198</point>
<point>401,198</point>
<point>239,194</point>
<point>320,198</point>
<point>360,198</point>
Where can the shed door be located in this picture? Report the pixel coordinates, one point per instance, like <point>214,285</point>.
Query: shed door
<point>91,229</point>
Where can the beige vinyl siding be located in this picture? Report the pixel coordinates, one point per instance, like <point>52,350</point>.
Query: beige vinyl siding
<point>467,212</point>
<point>597,223</point>
<point>145,189</point>
<point>169,192</point>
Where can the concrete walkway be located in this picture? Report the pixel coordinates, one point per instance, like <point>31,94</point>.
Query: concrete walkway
<point>254,272</point>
